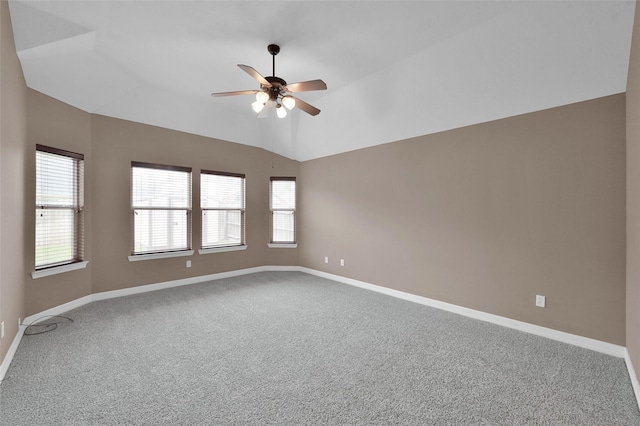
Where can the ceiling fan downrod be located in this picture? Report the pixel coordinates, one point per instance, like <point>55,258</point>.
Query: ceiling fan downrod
<point>274,49</point>
<point>276,82</point>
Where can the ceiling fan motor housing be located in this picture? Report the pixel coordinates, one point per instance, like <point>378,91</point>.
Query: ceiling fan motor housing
<point>277,85</point>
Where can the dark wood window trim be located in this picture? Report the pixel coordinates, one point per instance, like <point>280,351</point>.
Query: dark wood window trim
<point>187,210</point>
<point>242,210</point>
<point>77,207</point>
<point>160,166</point>
<point>275,210</point>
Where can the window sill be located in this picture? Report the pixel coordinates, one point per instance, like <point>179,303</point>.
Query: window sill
<point>59,269</point>
<point>221,249</point>
<point>282,245</point>
<point>152,256</point>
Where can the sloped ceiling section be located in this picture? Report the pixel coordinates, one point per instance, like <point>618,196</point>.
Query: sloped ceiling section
<point>394,69</point>
<point>59,59</point>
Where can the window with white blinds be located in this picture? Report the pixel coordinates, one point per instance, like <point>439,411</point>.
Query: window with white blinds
<point>59,207</point>
<point>283,210</point>
<point>160,208</point>
<point>222,200</point>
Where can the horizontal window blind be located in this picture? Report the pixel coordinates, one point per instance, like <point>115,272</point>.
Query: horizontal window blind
<point>161,208</point>
<point>283,208</point>
<point>283,193</point>
<point>222,199</point>
<point>59,207</point>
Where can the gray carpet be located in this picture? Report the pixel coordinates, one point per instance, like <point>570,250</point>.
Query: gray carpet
<point>286,348</point>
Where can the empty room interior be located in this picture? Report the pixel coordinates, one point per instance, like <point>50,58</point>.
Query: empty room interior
<point>392,212</point>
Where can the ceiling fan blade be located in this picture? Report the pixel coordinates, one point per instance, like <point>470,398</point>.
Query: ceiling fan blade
<point>255,74</point>
<point>239,92</point>
<point>267,109</point>
<point>307,86</point>
<point>309,109</point>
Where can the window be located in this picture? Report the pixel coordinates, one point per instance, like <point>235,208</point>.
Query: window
<point>160,208</point>
<point>59,205</point>
<point>222,199</point>
<point>283,209</point>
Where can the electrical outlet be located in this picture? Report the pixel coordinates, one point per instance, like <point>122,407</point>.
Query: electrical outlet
<point>341,262</point>
<point>326,259</point>
<point>19,323</point>
<point>188,264</point>
<point>2,330</point>
<point>540,301</point>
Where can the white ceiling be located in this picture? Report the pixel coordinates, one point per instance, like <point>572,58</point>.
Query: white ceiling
<point>394,69</point>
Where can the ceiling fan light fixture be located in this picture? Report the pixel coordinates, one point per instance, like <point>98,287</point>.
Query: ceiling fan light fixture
<point>289,102</point>
<point>281,112</point>
<point>262,97</point>
<point>257,106</point>
<point>274,91</point>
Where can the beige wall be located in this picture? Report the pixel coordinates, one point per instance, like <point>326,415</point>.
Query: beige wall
<point>633,198</point>
<point>109,146</point>
<point>53,123</point>
<point>485,217</point>
<point>13,207</point>
<point>116,143</point>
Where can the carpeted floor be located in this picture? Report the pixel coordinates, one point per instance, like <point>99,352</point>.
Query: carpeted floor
<point>286,348</point>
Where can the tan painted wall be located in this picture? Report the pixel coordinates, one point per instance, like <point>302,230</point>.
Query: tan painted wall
<point>13,152</point>
<point>633,198</point>
<point>485,217</point>
<point>56,124</point>
<point>116,143</point>
<point>109,146</point>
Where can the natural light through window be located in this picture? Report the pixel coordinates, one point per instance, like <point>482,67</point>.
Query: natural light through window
<point>59,207</point>
<point>222,199</point>
<point>160,207</point>
<point>283,209</point>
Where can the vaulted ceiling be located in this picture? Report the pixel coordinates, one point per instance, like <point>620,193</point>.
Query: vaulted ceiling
<point>394,69</point>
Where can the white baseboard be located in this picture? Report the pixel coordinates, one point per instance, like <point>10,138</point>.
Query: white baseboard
<point>633,376</point>
<point>147,288</point>
<point>58,310</point>
<point>584,342</point>
<point>175,283</point>
<point>33,319</point>
<point>572,339</point>
<point>10,353</point>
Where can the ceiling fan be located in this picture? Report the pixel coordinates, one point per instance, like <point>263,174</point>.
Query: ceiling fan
<point>275,93</point>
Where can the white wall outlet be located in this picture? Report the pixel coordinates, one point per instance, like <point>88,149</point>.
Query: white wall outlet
<point>326,259</point>
<point>188,264</point>
<point>19,323</point>
<point>540,301</point>
<point>2,330</point>
<point>341,262</point>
